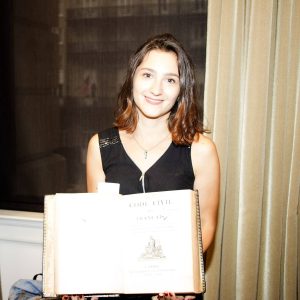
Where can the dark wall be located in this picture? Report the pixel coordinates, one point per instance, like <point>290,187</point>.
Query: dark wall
<point>6,90</point>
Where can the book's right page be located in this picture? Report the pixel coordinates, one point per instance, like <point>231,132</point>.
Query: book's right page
<point>158,250</point>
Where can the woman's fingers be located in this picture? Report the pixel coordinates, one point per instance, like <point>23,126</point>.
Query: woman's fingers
<point>72,297</point>
<point>170,296</point>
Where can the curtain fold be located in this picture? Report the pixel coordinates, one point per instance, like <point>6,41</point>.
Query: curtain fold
<point>252,107</point>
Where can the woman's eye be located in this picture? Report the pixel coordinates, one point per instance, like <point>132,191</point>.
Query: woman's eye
<point>171,80</point>
<point>147,75</point>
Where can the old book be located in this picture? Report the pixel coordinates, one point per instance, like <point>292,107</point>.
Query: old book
<point>134,244</point>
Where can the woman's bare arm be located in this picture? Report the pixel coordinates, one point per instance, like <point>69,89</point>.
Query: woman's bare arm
<point>94,169</point>
<point>207,182</point>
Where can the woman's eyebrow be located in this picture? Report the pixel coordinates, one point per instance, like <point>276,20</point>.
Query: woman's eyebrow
<point>153,71</point>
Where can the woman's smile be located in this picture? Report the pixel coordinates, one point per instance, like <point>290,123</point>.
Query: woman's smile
<point>153,101</point>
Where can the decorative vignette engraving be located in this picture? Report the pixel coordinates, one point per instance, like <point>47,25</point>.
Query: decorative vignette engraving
<point>153,250</point>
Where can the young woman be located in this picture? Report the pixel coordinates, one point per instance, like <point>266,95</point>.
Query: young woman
<point>157,143</point>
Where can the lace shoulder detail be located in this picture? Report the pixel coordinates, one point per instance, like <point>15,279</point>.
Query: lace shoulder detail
<point>108,138</point>
<point>104,142</point>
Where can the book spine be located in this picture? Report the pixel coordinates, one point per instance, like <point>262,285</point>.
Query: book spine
<point>48,247</point>
<point>200,243</point>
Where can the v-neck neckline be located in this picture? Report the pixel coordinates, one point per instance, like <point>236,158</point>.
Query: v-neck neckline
<point>132,161</point>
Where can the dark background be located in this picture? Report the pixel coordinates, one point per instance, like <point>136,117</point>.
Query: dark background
<point>62,65</point>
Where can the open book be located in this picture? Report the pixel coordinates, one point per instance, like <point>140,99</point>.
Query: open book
<point>133,244</point>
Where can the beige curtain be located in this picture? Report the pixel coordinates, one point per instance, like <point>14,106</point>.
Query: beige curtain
<point>252,99</point>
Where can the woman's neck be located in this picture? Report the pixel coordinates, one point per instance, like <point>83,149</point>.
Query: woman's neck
<point>147,128</point>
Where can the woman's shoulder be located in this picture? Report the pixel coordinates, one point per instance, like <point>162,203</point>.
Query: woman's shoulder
<point>204,145</point>
<point>108,137</point>
<point>108,133</point>
<point>204,152</point>
<point>103,140</point>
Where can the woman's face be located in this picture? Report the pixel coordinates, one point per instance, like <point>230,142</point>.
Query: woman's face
<point>156,84</point>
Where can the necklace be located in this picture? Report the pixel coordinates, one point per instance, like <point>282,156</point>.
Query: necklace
<point>146,151</point>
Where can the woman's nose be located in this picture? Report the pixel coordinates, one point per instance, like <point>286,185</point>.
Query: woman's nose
<point>156,87</point>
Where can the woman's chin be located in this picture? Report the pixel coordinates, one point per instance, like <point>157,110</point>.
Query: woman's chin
<point>154,115</point>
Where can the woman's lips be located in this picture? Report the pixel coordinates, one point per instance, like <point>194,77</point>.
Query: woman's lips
<point>153,101</point>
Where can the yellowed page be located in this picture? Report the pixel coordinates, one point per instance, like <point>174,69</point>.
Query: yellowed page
<point>160,234</point>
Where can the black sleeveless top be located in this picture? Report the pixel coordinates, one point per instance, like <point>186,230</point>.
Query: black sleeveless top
<point>172,171</point>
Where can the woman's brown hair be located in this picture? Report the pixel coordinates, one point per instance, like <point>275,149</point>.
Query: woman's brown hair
<point>185,120</point>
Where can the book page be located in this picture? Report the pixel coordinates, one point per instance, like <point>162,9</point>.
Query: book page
<point>159,232</point>
<point>87,245</point>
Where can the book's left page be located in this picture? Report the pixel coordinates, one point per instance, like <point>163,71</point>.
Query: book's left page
<point>87,244</point>
<point>48,247</point>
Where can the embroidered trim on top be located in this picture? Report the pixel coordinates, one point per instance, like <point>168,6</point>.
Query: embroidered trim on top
<point>108,141</point>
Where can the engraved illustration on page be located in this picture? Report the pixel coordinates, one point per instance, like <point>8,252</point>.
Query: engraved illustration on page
<point>153,250</point>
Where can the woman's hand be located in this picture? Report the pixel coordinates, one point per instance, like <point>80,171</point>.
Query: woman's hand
<point>72,297</point>
<point>171,296</point>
